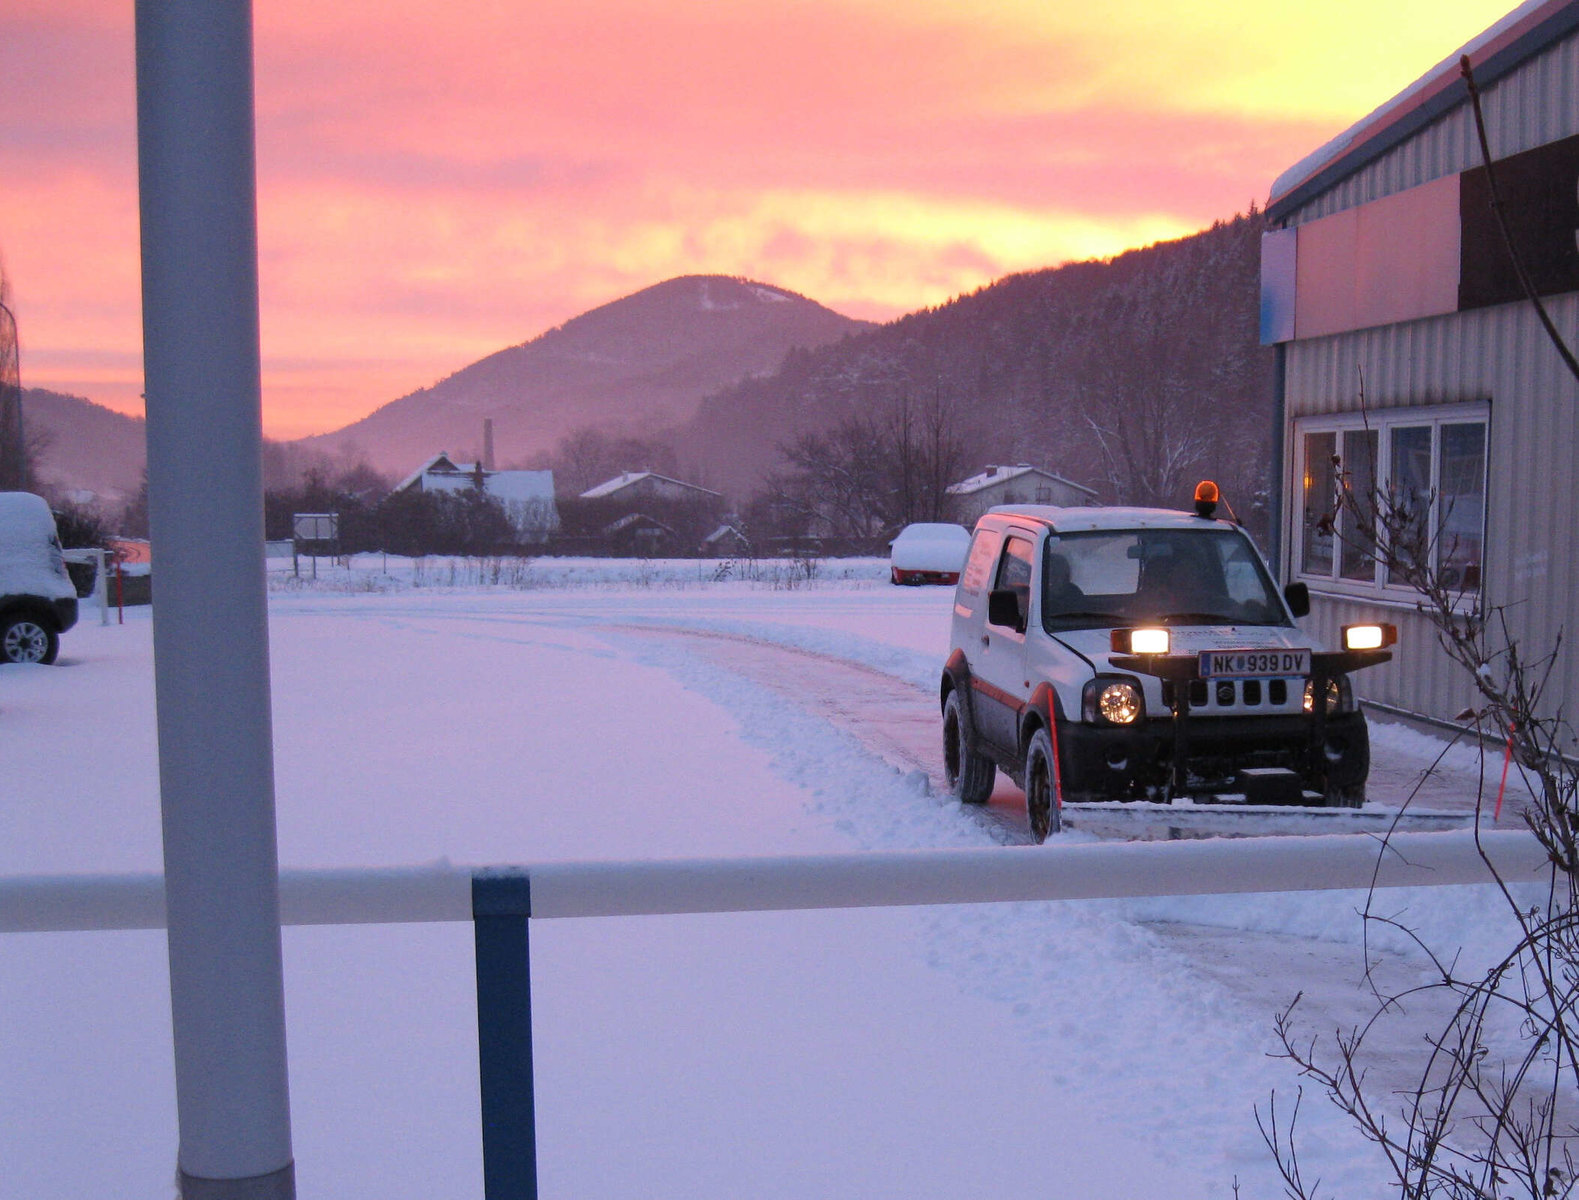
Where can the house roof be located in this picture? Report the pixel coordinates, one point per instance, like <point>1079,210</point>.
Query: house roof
<point>520,485</point>
<point>630,520</point>
<point>506,485</point>
<point>440,462</point>
<point>1518,37</point>
<point>723,531</point>
<point>630,478</point>
<point>993,476</point>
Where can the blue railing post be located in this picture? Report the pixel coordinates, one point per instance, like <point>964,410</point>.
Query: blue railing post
<point>501,910</point>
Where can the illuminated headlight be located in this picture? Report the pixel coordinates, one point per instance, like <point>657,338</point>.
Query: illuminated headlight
<point>1340,698</point>
<point>1119,703</point>
<point>1369,637</point>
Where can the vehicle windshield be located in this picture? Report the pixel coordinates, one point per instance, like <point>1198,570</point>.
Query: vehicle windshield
<point>1207,576</point>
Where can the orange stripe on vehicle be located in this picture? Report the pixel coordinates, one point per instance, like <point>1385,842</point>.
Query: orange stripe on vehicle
<point>998,694</point>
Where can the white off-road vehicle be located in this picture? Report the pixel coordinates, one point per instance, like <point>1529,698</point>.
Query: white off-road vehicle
<point>1144,654</point>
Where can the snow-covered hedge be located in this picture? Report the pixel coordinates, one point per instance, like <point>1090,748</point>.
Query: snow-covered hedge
<point>362,573</point>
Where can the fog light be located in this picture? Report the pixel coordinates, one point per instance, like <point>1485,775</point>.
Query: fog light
<point>1334,695</point>
<point>1369,637</point>
<point>1149,641</point>
<point>1139,641</point>
<point>1119,703</point>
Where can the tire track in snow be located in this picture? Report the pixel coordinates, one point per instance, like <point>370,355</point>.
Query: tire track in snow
<point>891,718</point>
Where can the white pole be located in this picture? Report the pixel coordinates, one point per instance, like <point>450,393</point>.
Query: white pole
<point>200,345</point>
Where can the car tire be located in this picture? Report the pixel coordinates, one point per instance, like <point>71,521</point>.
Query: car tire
<point>1042,806</point>
<point>1352,796</point>
<point>25,639</point>
<point>970,775</point>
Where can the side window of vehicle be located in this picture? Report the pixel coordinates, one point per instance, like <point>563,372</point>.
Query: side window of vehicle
<point>979,565</point>
<point>1014,569</point>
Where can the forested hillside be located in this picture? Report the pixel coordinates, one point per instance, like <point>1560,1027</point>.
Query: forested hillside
<point>1134,376</point>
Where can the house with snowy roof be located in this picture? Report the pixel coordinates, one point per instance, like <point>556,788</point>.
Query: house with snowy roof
<point>1022,484</point>
<point>527,497</point>
<point>637,486</point>
<point>643,512</point>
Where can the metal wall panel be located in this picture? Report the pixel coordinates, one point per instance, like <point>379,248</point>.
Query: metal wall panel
<point>1536,104</point>
<point>1531,565</point>
<point>1501,354</point>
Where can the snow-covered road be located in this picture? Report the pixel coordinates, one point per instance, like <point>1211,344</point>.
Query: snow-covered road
<point>1077,1050</point>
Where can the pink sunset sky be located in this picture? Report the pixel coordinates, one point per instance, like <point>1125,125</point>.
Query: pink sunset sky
<point>438,181</point>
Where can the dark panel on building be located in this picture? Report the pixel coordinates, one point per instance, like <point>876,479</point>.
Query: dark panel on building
<point>1540,198</point>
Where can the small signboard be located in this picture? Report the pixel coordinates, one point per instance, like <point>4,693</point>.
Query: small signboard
<point>316,527</point>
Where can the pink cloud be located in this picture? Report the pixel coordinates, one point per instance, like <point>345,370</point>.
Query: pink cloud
<point>438,182</point>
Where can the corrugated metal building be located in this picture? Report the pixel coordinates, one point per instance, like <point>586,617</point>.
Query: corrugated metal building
<point>1385,269</point>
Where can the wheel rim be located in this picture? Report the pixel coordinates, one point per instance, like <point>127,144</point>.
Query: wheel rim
<point>1039,797</point>
<point>951,747</point>
<point>26,642</point>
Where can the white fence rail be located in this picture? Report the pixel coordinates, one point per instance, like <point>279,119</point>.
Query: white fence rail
<point>443,892</point>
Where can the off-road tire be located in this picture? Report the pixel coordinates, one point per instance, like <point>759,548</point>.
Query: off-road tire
<point>1041,789</point>
<point>970,775</point>
<point>24,639</point>
<point>1352,796</point>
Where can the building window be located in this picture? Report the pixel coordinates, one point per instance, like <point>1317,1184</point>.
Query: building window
<point>1428,466</point>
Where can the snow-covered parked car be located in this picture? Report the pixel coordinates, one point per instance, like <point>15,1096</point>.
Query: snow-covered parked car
<point>37,599</point>
<point>928,553</point>
<point>1144,654</point>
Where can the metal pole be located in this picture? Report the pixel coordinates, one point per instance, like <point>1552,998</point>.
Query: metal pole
<point>1279,450</point>
<point>205,487</point>
<point>501,907</point>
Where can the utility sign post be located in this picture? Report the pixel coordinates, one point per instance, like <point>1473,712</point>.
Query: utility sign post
<point>314,534</point>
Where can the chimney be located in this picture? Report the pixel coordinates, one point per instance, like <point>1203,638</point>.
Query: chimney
<point>487,443</point>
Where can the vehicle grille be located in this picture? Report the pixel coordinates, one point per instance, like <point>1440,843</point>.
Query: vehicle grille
<point>1248,696</point>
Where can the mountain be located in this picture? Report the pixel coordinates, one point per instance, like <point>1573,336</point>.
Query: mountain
<point>1134,375</point>
<point>83,446</point>
<point>636,366</point>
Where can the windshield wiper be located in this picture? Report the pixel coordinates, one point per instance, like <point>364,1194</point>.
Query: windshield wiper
<point>1075,615</point>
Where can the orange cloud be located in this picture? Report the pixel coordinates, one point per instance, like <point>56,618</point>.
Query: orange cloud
<point>438,183</point>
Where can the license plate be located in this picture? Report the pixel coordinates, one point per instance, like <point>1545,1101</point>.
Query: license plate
<point>1254,664</point>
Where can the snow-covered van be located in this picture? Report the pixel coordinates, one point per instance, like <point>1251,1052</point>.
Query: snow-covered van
<point>37,600</point>
<point>1144,654</point>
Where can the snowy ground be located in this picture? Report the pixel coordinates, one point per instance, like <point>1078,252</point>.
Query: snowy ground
<point>585,710</point>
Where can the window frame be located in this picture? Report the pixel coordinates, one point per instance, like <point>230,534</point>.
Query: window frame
<point>1330,580</point>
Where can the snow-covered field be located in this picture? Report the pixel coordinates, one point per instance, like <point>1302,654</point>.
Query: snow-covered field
<point>587,711</point>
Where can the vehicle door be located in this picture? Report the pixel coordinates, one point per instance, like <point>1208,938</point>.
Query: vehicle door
<point>998,677</point>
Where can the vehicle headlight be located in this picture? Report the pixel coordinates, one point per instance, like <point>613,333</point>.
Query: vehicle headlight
<point>1340,697</point>
<point>1119,703</point>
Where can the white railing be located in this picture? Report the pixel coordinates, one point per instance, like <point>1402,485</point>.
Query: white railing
<point>502,901</point>
<point>442,892</point>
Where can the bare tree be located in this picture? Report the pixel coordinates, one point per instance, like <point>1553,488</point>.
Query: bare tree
<point>1478,1122</point>
<point>1483,1120</point>
<point>15,468</point>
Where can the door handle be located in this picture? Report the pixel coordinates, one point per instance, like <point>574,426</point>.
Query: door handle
<point>985,640</point>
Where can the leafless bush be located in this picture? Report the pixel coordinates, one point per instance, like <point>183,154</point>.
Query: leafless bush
<point>1491,1112</point>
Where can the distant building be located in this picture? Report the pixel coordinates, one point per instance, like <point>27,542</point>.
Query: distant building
<point>726,541</point>
<point>1385,268</point>
<point>527,497</point>
<point>1022,484</point>
<point>638,486</point>
<point>642,512</point>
